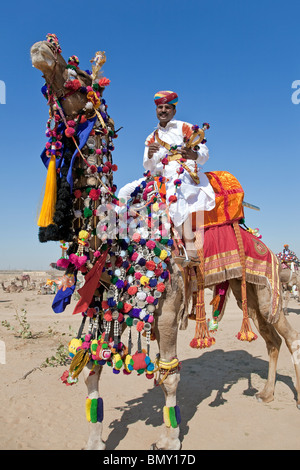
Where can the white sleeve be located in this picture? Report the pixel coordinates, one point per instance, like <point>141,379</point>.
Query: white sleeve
<point>203,154</point>
<point>126,190</point>
<point>154,164</point>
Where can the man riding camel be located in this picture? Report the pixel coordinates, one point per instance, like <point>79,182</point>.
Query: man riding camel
<point>166,155</point>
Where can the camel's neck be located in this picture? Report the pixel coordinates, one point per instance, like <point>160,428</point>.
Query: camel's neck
<point>55,80</point>
<point>72,104</point>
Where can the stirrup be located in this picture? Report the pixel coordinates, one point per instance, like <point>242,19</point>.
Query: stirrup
<point>182,260</point>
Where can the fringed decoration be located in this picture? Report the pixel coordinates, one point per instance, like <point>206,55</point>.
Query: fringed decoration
<point>192,314</point>
<point>49,201</point>
<point>171,416</point>
<point>202,338</point>
<point>94,410</point>
<point>245,333</point>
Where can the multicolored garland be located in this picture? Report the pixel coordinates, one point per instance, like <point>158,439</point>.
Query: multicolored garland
<point>138,279</point>
<point>287,257</point>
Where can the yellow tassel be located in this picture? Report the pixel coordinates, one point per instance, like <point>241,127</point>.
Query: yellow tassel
<point>49,201</point>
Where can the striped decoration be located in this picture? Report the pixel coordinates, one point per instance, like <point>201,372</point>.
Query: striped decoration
<point>94,410</point>
<point>171,416</point>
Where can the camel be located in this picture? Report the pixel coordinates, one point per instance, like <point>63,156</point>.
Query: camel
<point>25,278</point>
<point>12,287</point>
<point>171,311</point>
<point>289,279</point>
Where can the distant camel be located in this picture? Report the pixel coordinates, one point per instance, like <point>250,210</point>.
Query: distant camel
<point>24,278</point>
<point>288,279</point>
<point>12,287</point>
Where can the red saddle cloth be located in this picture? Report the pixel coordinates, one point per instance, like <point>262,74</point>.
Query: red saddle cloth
<point>222,261</point>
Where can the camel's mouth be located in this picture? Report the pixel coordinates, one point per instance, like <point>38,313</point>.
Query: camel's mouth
<point>42,56</point>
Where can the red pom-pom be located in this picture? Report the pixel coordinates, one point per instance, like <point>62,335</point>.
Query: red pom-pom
<point>69,131</point>
<point>103,82</point>
<point>139,361</point>
<point>77,193</point>
<point>160,287</point>
<point>173,198</point>
<point>140,326</point>
<point>132,290</point>
<point>73,85</point>
<point>94,194</point>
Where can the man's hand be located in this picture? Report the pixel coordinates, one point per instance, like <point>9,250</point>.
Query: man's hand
<point>153,148</point>
<point>189,154</point>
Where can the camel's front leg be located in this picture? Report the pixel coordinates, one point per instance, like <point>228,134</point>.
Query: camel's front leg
<point>169,438</point>
<point>168,379</point>
<point>94,407</point>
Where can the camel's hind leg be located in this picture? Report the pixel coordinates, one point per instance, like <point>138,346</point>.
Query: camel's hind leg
<point>94,408</point>
<point>288,333</point>
<point>292,340</point>
<point>258,300</point>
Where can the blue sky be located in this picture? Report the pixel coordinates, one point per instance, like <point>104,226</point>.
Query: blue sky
<point>232,64</point>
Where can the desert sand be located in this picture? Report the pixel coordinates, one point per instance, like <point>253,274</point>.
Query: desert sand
<point>216,393</point>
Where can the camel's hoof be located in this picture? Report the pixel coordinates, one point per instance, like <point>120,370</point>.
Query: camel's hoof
<point>154,447</point>
<point>263,399</point>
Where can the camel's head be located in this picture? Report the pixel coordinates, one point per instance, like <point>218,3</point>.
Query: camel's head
<point>46,54</point>
<point>60,76</point>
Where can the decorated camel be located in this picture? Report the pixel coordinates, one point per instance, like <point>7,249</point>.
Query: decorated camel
<point>133,291</point>
<point>289,274</point>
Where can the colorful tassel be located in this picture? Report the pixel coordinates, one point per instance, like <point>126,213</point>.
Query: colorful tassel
<point>49,201</point>
<point>245,333</point>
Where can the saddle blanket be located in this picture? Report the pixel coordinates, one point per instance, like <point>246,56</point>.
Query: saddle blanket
<point>222,262</point>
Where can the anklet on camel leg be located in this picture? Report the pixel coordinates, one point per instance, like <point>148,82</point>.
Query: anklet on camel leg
<point>94,410</point>
<point>171,415</point>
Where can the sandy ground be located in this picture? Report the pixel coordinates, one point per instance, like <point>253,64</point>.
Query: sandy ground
<point>215,394</point>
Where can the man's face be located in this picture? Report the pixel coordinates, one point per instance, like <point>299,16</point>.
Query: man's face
<point>164,113</point>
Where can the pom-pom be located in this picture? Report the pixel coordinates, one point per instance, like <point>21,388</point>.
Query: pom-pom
<point>173,198</point>
<point>63,263</point>
<point>103,82</point>
<point>132,290</point>
<point>94,194</point>
<point>69,132</point>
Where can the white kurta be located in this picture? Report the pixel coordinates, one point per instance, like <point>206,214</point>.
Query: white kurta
<point>191,197</point>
